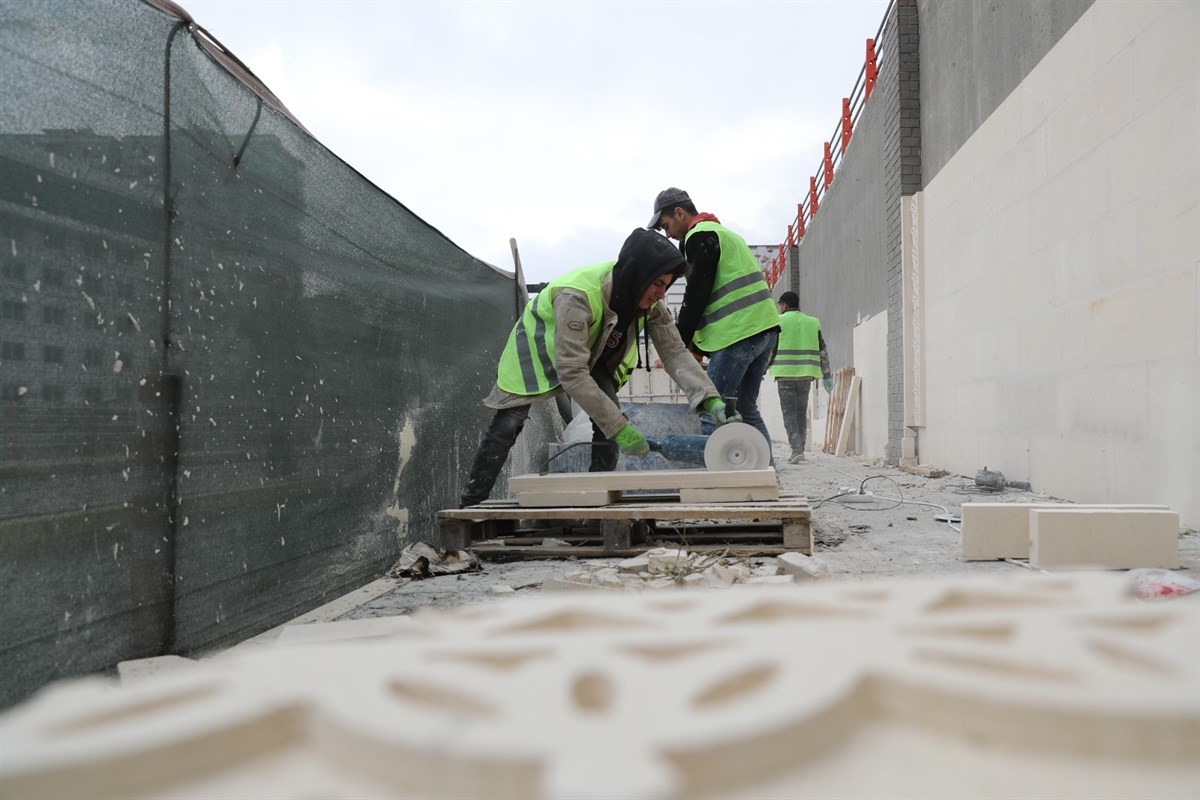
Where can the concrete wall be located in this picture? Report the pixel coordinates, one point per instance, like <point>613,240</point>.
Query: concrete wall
<point>843,257</point>
<point>1061,259</point>
<point>973,54</point>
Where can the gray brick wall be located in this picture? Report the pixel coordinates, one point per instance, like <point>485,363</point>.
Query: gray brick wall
<point>900,83</point>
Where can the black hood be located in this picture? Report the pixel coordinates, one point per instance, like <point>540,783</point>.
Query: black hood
<point>644,257</point>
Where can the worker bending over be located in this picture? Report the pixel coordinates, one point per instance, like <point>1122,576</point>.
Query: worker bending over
<point>579,335</point>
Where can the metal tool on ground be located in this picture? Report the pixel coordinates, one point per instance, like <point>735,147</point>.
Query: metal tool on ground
<point>734,445</point>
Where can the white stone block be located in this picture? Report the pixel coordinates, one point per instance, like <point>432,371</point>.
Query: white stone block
<point>1001,530</point>
<point>1103,538</point>
<point>802,567</point>
<point>635,565</point>
<point>771,579</point>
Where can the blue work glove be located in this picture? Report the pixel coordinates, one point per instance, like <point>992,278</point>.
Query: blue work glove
<point>829,385</point>
<point>715,406</point>
<point>632,442</point>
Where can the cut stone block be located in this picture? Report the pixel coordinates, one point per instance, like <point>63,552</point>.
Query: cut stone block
<point>737,494</point>
<point>1001,530</point>
<point>1103,538</point>
<point>567,499</point>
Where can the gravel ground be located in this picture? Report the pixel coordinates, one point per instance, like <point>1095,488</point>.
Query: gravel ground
<point>878,539</point>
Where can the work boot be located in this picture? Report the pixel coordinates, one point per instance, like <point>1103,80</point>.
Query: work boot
<point>796,458</point>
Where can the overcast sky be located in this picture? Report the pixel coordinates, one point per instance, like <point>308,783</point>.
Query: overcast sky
<point>556,123</point>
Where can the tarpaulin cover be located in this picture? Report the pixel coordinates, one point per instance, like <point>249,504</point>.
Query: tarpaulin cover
<point>236,376</point>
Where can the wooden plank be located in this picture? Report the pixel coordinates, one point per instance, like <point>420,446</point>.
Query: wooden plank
<point>454,534</point>
<point>618,534</point>
<point>744,494</point>
<point>784,508</point>
<point>848,417</point>
<point>837,407</point>
<point>569,499</point>
<point>642,479</point>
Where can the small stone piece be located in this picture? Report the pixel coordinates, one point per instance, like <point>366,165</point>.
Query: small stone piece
<point>501,588</point>
<point>770,579</point>
<point>635,564</point>
<point>802,567</point>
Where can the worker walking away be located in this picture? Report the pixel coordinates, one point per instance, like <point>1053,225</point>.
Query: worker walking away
<point>727,310</point>
<point>579,335</point>
<point>800,359</point>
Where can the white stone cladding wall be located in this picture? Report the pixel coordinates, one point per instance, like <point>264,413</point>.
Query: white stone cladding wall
<point>1062,252</point>
<point>870,364</point>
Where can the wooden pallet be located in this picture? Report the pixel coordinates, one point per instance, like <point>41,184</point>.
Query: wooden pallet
<point>502,529</point>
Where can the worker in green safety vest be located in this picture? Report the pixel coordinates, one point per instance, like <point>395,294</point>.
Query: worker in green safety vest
<point>579,335</point>
<point>800,359</point>
<point>727,310</point>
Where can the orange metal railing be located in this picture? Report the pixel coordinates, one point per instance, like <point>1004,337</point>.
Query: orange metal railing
<point>852,107</point>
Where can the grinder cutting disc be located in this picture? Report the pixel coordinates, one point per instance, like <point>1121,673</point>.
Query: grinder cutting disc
<point>736,445</point>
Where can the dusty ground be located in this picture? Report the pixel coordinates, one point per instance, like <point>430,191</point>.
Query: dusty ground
<point>859,541</point>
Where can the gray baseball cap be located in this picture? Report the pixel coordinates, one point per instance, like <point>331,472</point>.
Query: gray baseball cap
<point>667,198</point>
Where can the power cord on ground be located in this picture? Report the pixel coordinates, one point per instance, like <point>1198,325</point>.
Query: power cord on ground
<point>896,501</point>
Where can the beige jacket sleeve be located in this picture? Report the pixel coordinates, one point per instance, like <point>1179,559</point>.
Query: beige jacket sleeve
<point>677,361</point>
<point>573,362</point>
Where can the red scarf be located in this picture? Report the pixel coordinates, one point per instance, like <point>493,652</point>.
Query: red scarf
<point>703,216</point>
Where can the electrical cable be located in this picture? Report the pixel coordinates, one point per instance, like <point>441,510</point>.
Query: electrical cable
<point>896,501</point>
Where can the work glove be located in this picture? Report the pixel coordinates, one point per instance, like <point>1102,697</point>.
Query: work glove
<point>829,385</point>
<point>632,442</point>
<point>715,406</point>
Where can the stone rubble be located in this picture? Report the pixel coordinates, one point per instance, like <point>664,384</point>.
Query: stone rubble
<point>666,568</point>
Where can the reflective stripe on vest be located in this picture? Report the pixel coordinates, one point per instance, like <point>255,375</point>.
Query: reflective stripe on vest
<point>740,304</point>
<point>527,364</point>
<point>798,355</point>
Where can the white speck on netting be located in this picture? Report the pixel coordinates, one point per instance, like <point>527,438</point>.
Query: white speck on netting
<point>22,391</point>
<point>118,366</point>
<point>37,286</point>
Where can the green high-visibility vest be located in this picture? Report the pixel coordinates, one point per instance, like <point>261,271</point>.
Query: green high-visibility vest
<point>799,353</point>
<point>527,364</point>
<point>740,304</point>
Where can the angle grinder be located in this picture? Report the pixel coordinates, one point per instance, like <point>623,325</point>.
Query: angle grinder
<point>733,446</point>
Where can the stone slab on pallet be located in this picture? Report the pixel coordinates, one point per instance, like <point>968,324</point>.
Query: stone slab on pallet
<point>623,526</point>
<point>648,479</point>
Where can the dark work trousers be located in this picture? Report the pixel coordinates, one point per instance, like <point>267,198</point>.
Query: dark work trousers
<point>493,452</point>
<point>793,402</point>
<point>502,435</point>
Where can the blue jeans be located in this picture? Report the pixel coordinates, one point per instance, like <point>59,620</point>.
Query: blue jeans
<point>737,371</point>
